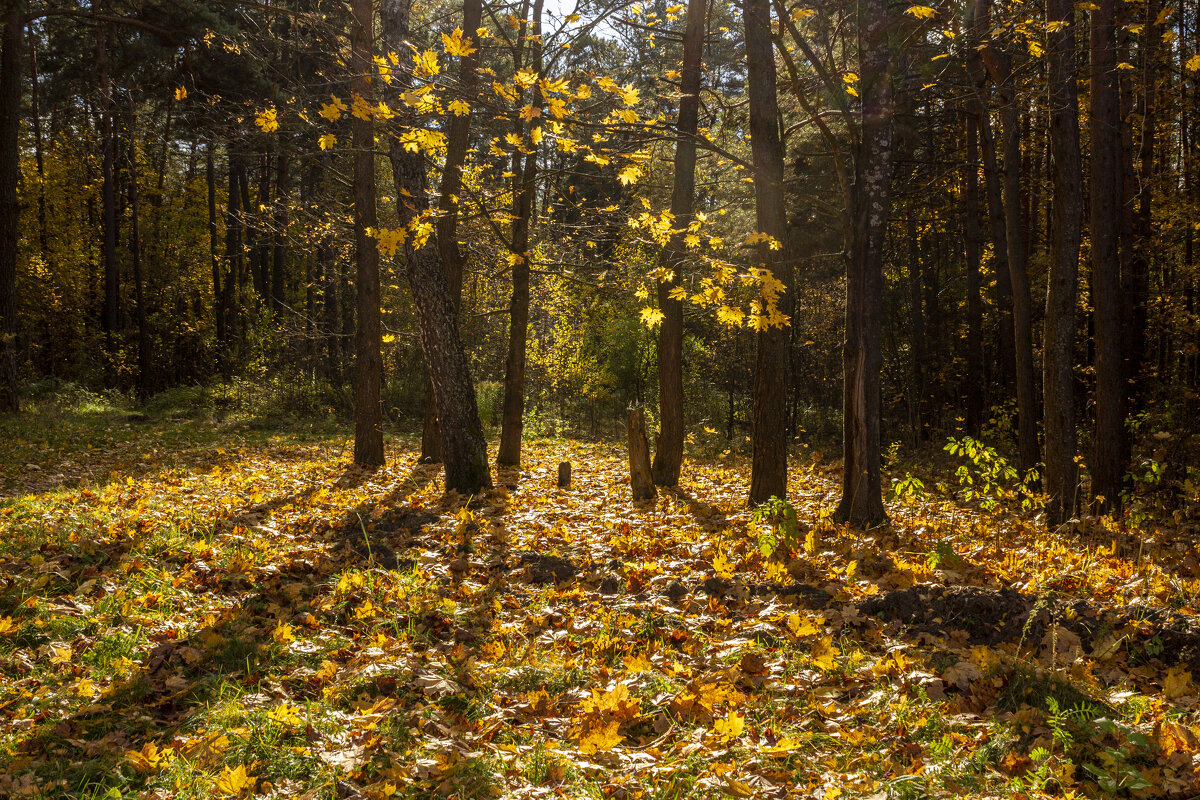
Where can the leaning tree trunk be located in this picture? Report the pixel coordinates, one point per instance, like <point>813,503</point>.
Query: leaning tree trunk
<point>668,451</point>
<point>368,360</point>
<point>768,476</point>
<point>464,450</point>
<point>862,490</point>
<point>512,423</point>
<point>1058,353</point>
<point>10,207</point>
<point>458,139</point>
<point>1110,454</point>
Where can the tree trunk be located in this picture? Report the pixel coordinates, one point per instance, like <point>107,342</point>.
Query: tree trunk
<point>38,155</point>
<point>1136,279</point>
<point>279,257</point>
<point>512,423</point>
<point>458,139</point>
<point>210,181</point>
<point>464,449</point>
<point>975,386</point>
<point>768,476</point>
<point>668,451</point>
<point>368,360</point>
<point>110,319</point>
<point>998,65</point>
<point>10,207</point>
<point>1058,354</point>
<point>640,481</point>
<point>1110,455</point>
<point>862,490</point>
<point>230,287</point>
<point>135,252</point>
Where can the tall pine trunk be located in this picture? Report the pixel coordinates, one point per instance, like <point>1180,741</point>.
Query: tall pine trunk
<point>862,490</point>
<point>668,450</point>
<point>1058,353</point>
<point>975,385</point>
<point>464,450</point>
<point>10,207</point>
<point>768,477</point>
<point>368,360</point>
<point>1110,453</point>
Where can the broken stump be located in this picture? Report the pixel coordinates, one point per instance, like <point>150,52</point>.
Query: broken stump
<point>639,456</point>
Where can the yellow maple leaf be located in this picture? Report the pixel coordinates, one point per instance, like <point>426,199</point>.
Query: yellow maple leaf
<point>267,120</point>
<point>920,12</point>
<point>181,93</point>
<point>722,566</point>
<point>456,45</point>
<point>630,174</point>
<point>652,317</point>
<point>730,727</point>
<point>1178,683</point>
<point>146,759</point>
<point>427,63</point>
<point>459,108</point>
<point>283,633</point>
<point>600,739</point>
<point>1193,63</point>
<point>232,782</point>
<point>327,141</point>
<point>804,627</point>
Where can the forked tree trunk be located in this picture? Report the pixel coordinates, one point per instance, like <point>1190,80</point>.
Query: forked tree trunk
<point>458,136</point>
<point>1058,354</point>
<point>1110,455</point>
<point>768,476</point>
<point>464,449</point>
<point>862,490</point>
<point>668,451</point>
<point>368,360</point>
<point>512,424</point>
<point>10,208</point>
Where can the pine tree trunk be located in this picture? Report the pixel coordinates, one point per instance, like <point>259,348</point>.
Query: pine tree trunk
<point>110,318</point>
<point>668,451</point>
<point>1110,456</point>
<point>368,360</point>
<point>768,476</point>
<point>279,259</point>
<point>1058,354</point>
<point>210,182</point>
<point>135,252</point>
<point>862,490</point>
<point>975,384</point>
<point>10,207</point>
<point>464,449</point>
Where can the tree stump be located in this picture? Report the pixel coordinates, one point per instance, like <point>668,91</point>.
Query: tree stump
<point>564,475</point>
<point>639,456</point>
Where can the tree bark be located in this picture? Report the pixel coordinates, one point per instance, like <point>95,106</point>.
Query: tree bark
<point>768,476</point>
<point>135,252</point>
<point>668,451</point>
<point>368,359</point>
<point>458,139</point>
<point>279,256</point>
<point>1058,353</point>
<point>464,449</point>
<point>10,207</point>
<point>110,318</point>
<point>210,181</point>
<point>1110,454</point>
<point>512,424</point>
<point>1136,278</point>
<point>862,490</point>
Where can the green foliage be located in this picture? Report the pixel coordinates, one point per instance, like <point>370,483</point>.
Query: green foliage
<point>988,478</point>
<point>777,528</point>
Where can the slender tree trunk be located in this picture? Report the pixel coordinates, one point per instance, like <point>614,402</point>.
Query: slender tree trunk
<point>214,246</point>
<point>368,359</point>
<point>135,252</point>
<point>512,423</point>
<point>38,154</point>
<point>668,451</point>
<point>1136,279</point>
<point>110,319</point>
<point>230,286</point>
<point>1110,455</point>
<point>975,386</point>
<point>464,449</point>
<point>768,476</point>
<point>279,260</point>
<point>862,490</point>
<point>458,136</point>
<point>10,207</point>
<point>916,323</point>
<point>1058,353</point>
<point>1027,439</point>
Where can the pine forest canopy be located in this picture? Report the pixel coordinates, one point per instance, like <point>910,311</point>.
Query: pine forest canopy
<point>530,216</point>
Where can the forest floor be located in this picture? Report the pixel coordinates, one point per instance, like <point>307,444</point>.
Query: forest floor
<point>197,608</point>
